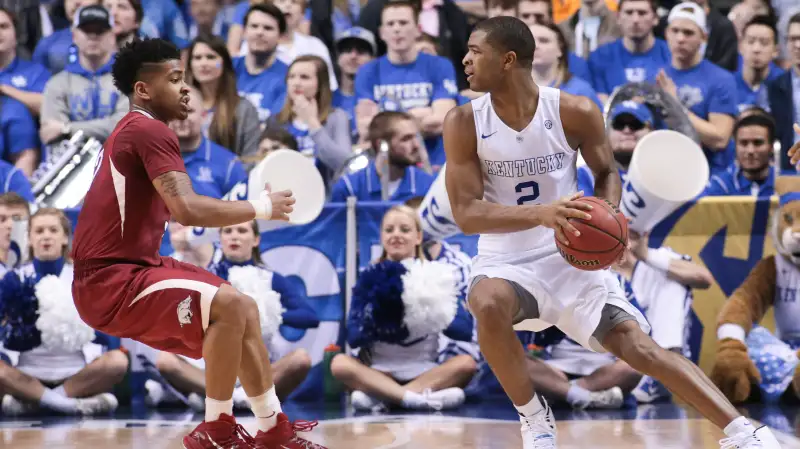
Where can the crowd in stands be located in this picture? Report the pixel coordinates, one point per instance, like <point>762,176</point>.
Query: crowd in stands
<point>338,81</point>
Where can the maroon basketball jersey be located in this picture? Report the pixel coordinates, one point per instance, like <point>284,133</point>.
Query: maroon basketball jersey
<point>123,217</point>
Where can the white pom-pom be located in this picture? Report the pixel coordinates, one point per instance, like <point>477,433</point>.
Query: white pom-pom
<point>430,297</point>
<point>257,283</point>
<point>60,325</point>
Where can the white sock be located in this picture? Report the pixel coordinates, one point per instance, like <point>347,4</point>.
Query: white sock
<point>578,396</point>
<point>738,426</point>
<point>59,402</point>
<point>266,408</point>
<point>413,400</point>
<point>533,407</point>
<point>215,408</point>
<point>60,390</point>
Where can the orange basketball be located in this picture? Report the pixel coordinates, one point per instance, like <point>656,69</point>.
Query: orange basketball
<point>602,239</point>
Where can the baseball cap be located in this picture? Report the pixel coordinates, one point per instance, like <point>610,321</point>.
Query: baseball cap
<point>358,33</point>
<point>638,110</point>
<point>691,11</point>
<point>93,17</point>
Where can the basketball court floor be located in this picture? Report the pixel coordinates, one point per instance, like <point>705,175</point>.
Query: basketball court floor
<point>485,426</point>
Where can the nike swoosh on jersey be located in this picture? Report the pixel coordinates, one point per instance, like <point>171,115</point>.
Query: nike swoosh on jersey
<point>486,136</point>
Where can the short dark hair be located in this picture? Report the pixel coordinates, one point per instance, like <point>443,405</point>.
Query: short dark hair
<point>510,34</point>
<point>278,133</point>
<point>763,120</point>
<point>270,10</point>
<point>136,54</point>
<point>794,19</point>
<point>503,4</point>
<point>11,16</point>
<point>380,128</point>
<point>12,199</point>
<point>415,7</point>
<point>763,21</point>
<point>653,5</point>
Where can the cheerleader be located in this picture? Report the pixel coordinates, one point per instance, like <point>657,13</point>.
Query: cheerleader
<point>39,320</point>
<point>239,245</point>
<point>404,373</point>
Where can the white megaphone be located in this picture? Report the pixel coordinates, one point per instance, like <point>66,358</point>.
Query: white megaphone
<point>435,212</point>
<point>667,169</point>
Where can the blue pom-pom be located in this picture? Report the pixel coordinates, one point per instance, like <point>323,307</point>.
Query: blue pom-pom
<point>377,303</point>
<point>18,313</point>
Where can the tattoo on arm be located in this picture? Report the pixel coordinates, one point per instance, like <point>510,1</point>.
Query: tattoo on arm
<point>175,184</point>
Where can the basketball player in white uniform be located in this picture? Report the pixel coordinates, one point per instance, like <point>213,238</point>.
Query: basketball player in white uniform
<point>511,178</point>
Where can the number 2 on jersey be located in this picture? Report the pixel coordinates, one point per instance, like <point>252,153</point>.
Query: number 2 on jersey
<point>524,187</point>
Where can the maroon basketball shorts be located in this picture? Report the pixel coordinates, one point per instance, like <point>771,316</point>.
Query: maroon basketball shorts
<point>166,307</point>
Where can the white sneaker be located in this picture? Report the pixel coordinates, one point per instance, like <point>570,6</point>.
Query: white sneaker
<point>363,401</point>
<point>762,438</point>
<point>539,430</point>
<point>445,399</point>
<point>95,405</point>
<point>611,398</point>
<point>12,406</point>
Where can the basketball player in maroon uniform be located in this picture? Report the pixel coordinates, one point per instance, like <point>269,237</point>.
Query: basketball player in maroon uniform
<point>124,288</point>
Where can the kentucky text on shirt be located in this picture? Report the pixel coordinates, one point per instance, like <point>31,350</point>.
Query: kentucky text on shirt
<point>526,167</point>
<point>411,95</point>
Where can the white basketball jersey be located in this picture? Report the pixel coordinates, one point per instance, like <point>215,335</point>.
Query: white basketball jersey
<point>532,166</point>
<point>785,302</point>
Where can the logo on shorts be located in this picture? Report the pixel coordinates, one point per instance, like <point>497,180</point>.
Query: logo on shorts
<point>185,312</point>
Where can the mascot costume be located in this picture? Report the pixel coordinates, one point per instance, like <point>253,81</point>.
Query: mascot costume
<point>749,354</point>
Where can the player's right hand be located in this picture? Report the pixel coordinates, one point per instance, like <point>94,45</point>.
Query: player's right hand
<point>794,151</point>
<point>282,203</point>
<point>556,215</point>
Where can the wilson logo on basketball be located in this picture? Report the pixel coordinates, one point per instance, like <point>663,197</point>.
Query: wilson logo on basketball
<point>578,262</point>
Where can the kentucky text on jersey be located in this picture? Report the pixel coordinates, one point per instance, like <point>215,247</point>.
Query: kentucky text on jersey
<point>526,167</point>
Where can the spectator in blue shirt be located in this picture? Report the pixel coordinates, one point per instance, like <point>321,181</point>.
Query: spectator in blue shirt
<point>260,75</point>
<point>406,79</point>
<point>707,91</point>
<point>21,80</point>
<point>758,46</point>
<point>56,50</point>
<point>19,140</point>
<point>354,48</point>
<point>551,67</point>
<point>213,169</point>
<point>400,131</point>
<point>630,122</point>
<point>207,17</point>
<point>128,16</point>
<point>14,180</point>
<point>163,18</point>
<point>636,57</point>
<point>752,173</point>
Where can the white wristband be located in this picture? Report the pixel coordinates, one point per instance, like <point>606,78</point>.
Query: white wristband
<point>263,207</point>
<point>730,330</point>
<point>658,259</point>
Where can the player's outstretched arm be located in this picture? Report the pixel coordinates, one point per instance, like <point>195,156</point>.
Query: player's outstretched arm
<point>191,209</point>
<point>464,182</point>
<point>583,123</point>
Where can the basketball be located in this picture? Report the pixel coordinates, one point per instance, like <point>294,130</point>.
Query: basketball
<point>602,239</point>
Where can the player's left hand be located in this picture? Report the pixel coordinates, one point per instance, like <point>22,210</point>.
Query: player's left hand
<point>794,151</point>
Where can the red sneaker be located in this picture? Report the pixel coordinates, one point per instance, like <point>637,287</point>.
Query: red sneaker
<point>223,433</point>
<point>284,435</point>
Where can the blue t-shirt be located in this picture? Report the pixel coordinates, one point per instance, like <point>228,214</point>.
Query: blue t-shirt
<point>18,128</point>
<point>407,86</point>
<point>577,86</point>
<point>732,182</point>
<point>578,66</point>
<point>746,95</point>
<point>586,179</point>
<point>705,89</point>
<point>13,180</point>
<point>213,169</point>
<point>305,144</point>
<point>365,184</point>
<point>266,91</point>
<point>612,65</point>
<point>165,18</point>
<point>347,103</point>
<point>56,50</point>
<point>25,75</point>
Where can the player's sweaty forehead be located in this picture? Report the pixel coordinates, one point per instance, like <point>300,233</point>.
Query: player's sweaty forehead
<point>164,69</point>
